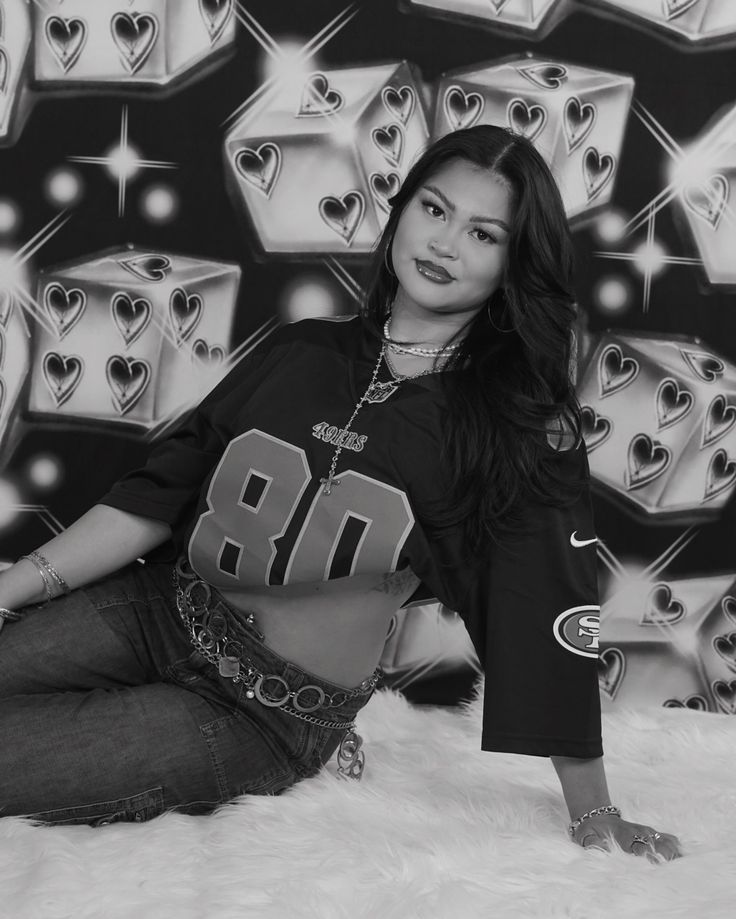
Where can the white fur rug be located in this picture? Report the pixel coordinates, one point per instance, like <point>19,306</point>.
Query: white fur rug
<point>436,829</point>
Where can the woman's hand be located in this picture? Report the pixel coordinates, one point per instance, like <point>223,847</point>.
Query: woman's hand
<point>637,838</point>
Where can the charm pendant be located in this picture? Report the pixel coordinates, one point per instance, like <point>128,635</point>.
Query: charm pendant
<point>350,758</point>
<point>379,392</point>
<point>229,667</point>
<point>328,483</point>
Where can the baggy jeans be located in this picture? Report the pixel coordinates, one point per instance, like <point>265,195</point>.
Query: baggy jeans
<point>108,713</point>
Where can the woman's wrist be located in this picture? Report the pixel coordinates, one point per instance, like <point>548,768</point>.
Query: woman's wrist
<point>21,585</point>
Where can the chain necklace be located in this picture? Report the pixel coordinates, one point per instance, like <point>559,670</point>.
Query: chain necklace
<point>414,349</point>
<point>375,393</point>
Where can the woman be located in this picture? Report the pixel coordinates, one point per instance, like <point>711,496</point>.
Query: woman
<point>428,448</point>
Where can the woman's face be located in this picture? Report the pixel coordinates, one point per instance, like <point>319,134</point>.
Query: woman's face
<point>449,248</point>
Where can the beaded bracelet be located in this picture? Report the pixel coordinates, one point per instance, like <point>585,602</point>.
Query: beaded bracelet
<point>606,809</point>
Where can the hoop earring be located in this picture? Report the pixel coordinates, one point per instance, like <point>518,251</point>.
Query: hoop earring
<point>490,319</point>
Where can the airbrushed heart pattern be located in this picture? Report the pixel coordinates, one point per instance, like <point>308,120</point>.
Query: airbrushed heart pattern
<point>725,646</point>
<point>6,306</point>
<point>207,355</point>
<point>462,109</point>
<point>728,605</point>
<point>671,404</point>
<point>661,608</point>
<point>2,348</point>
<point>384,187</point>
<point>390,141</point>
<point>131,316</point>
<point>128,378</point>
<point>216,15</point>
<point>545,76</point>
<point>135,35</point>
<point>526,119</point>
<point>696,702</point>
<point>708,199</point>
<point>705,366</point>
<point>615,371</point>
<point>596,429</point>
<point>148,267</point>
<point>647,460</point>
<point>260,167</point>
<point>185,311</point>
<point>399,102</point>
<point>62,375</point>
<point>498,5</point>
<point>578,119</point>
<point>2,394</point>
<point>598,170</point>
<point>718,421</point>
<point>64,307</point>
<point>674,8</point>
<point>344,215</point>
<point>721,474</point>
<point>66,39</point>
<point>319,98</point>
<point>611,671</point>
<point>725,695</point>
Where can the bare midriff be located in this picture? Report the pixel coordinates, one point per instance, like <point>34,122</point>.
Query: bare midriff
<point>333,629</point>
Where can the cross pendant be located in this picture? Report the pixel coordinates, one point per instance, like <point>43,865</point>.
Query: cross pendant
<point>328,483</point>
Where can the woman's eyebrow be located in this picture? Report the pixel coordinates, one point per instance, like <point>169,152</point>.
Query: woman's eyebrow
<point>476,218</point>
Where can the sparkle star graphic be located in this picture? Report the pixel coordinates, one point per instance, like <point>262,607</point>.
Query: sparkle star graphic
<point>123,162</point>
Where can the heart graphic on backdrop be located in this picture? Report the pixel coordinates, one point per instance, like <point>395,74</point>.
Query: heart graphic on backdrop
<point>343,215</point>
<point>660,607</point>
<point>596,429</point>
<point>721,474</point>
<point>725,646</point>
<point>4,66</point>
<point>647,460</point>
<point>598,169</point>
<point>399,102</point>
<point>615,371</point>
<point>384,187</point>
<point>2,22</point>
<point>66,38</point>
<point>147,267</point>
<point>130,316</point>
<point>696,702</point>
<point>318,98</point>
<point>2,348</point>
<point>390,141</point>
<point>2,394</point>
<point>728,605</point>
<point>462,109</point>
<point>185,311</point>
<point>705,366</point>
<point>546,76</point>
<point>708,199</point>
<point>671,403</point>
<point>6,305</point>
<point>498,5</point>
<point>725,694</point>
<point>674,8</point>
<point>525,119</point>
<point>127,378</point>
<point>65,307</point>
<point>135,35</point>
<point>578,119</point>
<point>611,670</point>
<point>261,167</point>
<point>62,375</point>
<point>207,355</point>
<point>216,15</point>
<point>719,419</point>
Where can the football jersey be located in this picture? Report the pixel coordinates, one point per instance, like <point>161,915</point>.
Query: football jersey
<point>241,482</point>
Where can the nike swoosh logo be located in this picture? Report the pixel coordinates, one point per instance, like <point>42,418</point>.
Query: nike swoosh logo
<point>578,543</point>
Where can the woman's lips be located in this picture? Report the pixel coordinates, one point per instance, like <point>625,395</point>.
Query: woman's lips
<point>433,272</point>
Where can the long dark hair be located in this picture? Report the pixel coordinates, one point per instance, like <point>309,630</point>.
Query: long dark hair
<point>510,388</point>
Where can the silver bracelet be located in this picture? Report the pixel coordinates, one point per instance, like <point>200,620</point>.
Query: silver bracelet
<point>44,577</point>
<point>8,615</point>
<point>37,557</point>
<point>606,809</point>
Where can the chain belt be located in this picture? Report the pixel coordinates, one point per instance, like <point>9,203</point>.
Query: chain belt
<point>210,638</point>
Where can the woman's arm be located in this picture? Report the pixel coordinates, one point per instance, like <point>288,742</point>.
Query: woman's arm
<point>99,542</point>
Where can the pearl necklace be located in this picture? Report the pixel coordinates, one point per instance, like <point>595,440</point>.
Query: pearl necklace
<point>375,393</point>
<point>414,349</point>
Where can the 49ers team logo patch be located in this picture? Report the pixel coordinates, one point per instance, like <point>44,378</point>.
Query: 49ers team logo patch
<point>578,629</point>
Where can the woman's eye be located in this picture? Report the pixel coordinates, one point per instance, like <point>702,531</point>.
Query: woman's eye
<point>434,209</point>
<point>484,237</point>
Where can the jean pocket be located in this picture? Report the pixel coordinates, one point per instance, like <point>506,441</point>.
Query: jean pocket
<point>134,809</point>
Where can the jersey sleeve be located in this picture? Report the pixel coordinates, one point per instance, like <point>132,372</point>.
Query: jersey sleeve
<point>533,614</point>
<point>167,486</point>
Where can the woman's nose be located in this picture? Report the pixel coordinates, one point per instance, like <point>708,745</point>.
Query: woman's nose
<point>443,246</point>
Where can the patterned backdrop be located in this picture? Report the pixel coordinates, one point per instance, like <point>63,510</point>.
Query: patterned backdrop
<point>179,176</point>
